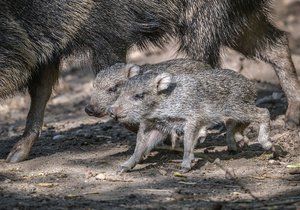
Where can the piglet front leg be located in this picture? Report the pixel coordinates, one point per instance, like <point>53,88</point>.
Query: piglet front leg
<point>146,141</point>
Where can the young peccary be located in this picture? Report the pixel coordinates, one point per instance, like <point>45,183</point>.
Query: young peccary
<point>110,81</point>
<point>187,103</point>
<point>35,34</point>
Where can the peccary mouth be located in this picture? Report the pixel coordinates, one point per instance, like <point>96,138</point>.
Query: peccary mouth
<point>96,114</point>
<point>120,117</point>
<point>100,115</point>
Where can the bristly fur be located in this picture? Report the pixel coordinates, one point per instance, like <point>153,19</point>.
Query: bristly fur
<point>115,76</point>
<point>35,32</point>
<point>188,102</point>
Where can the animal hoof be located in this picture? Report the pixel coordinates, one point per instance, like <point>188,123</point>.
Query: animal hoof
<point>17,154</point>
<point>186,167</point>
<point>122,169</point>
<point>20,151</point>
<point>184,170</point>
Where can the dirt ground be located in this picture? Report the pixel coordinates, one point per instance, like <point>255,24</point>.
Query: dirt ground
<point>73,164</point>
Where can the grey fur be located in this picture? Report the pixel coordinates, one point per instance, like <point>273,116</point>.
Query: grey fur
<point>35,34</point>
<point>110,80</point>
<point>188,103</point>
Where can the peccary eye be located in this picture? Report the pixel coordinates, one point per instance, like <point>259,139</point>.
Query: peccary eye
<point>112,89</point>
<point>139,96</point>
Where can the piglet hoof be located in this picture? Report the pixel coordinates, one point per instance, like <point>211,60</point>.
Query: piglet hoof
<point>186,166</point>
<point>122,169</point>
<point>292,117</point>
<point>232,148</point>
<point>184,170</point>
<point>268,146</point>
<point>20,151</point>
<point>242,144</point>
<point>125,167</point>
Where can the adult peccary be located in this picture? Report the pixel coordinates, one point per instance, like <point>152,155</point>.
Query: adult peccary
<point>35,34</point>
<point>188,104</point>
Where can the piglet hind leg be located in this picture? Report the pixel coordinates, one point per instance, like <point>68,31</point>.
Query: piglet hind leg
<point>240,137</point>
<point>191,133</point>
<point>40,90</point>
<point>263,117</point>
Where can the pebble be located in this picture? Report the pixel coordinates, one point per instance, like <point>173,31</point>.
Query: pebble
<point>58,137</point>
<point>217,161</point>
<point>100,177</point>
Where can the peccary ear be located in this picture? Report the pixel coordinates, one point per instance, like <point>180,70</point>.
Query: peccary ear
<point>132,70</point>
<point>163,81</point>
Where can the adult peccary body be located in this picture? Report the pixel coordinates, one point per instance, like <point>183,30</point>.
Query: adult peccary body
<point>35,34</point>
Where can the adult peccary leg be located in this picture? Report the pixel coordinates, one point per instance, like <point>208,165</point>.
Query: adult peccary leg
<point>279,56</point>
<point>40,90</point>
<point>271,46</point>
<point>245,27</point>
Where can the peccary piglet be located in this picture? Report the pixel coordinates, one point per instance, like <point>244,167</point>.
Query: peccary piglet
<point>110,80</point>
<point>188,103</point>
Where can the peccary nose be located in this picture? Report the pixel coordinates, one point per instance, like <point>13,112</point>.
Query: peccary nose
<point>89,110</point>
<point>111,112</point>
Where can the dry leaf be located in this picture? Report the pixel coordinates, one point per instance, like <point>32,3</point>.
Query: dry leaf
<point>45,184</point>
<point>177,174</point>
<point>296,165</point>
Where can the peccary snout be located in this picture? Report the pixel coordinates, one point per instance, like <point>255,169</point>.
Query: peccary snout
<point>93,111</point>
<point>115,112</point>
<point>89,110</point>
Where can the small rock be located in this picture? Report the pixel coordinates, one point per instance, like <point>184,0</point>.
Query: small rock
<point>88,136</point>
<point>272,161</point>
<point>106,127</point>
<point>217,161</point>
<point>6,181</point>
<point>58,137</point>
<point>101,177</point>
<point>89,174</point>
<point>78,132</point>
<point>163,172</point>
